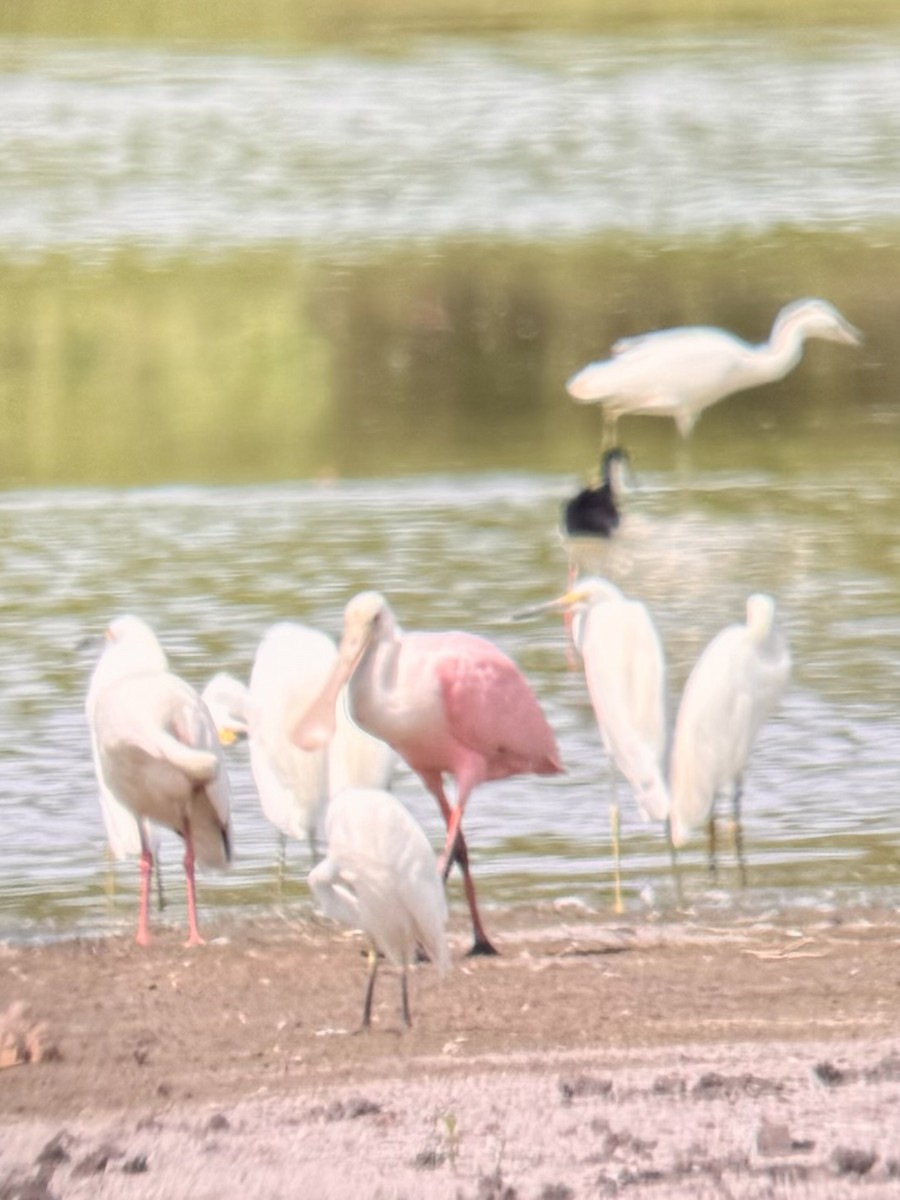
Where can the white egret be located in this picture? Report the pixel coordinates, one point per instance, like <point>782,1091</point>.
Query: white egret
<point>157,756</point>
<point>679,372</point>
<point>291,665</point>
<point>446,702</point>
<point>380,876</point>
<point>624,667</point>
<point>730,693</point>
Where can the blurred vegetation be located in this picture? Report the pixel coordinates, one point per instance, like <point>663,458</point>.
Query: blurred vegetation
<point>261,365</point>
<point>299,22</point>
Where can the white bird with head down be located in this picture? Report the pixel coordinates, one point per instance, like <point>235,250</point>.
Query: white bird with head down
<point>157,755</point>
<point>729,695</point>
<point>624,667</point>
<point>291,666</point>
<point>680,372</point>
<point>380,875</point>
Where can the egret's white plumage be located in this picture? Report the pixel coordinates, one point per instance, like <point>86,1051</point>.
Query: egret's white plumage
<point>157,756</point>
<point>228,701</point>
<point>730,693</point>
<point>380,876</point>
<point>291,665</point>
<point>624,667</point>
<point>679,372</point>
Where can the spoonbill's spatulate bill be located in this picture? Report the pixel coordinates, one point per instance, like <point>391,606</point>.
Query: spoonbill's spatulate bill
<point>157,755</point>
<point>679,372</point>
<point>446,702</point>
<point>731,692</point>
<point>380,875</point>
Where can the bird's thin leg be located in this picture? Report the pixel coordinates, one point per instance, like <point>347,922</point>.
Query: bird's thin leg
<point>404,998</point>
<point>615,825</point>
<point>143,930</point>
<point>713,870</point>
<point>455,848</point>
<point>194,938</point>
<point>676,872</point>
<point>739,831</point>
<point>609,431</point>
<point>370,988</point>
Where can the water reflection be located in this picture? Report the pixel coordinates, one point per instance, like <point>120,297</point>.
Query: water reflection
<point>212,568</point>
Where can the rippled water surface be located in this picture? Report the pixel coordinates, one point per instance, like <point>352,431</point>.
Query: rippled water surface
<point>212,568</point>
<point>532,138</point>
<point>389,350</point>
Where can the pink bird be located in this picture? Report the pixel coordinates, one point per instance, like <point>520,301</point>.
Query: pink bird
<point>446,702</point>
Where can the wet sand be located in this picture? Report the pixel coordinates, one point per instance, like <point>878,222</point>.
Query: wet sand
<point>725,1055</point>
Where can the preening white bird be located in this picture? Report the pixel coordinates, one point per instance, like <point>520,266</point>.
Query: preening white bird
<point>228,701</point>
<point>291,665</point>
<point>680,372</point>
<point>624,667</point>
<point>381,876</point>
<point>158,759</point>
<point>731,692</point>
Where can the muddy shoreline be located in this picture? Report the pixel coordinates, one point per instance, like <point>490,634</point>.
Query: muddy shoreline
<point>740,1055</point>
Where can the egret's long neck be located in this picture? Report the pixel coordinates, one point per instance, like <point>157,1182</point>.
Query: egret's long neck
<point>783,350</point>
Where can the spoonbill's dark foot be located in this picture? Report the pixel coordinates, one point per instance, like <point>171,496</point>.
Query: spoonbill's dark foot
<point>481,947</point>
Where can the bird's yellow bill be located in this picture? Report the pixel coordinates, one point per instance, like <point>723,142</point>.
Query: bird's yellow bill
<point>566,600</point>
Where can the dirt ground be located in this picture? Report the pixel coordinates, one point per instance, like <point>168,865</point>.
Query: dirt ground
<point>723,1056</point>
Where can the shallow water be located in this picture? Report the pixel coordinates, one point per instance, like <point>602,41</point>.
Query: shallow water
<point>532,137</point>
<point>211,568</point>
<point>463,222</point>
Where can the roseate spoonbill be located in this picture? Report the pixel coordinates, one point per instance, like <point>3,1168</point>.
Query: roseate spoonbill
<point>594,511</point>
<point>290,668</point>
<point>380,875</point>
<point>730,693</point>
<point>446,702</point>
<point>625,672</point>
<point>157,756</point>
<point>680,372</point>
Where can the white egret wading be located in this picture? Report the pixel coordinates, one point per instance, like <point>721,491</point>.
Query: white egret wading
<point>290,668</point>
<point>625,671</point>
<point>731,692</point>
<point>680,372</point>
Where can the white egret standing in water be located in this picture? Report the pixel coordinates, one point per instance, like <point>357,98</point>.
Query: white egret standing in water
<point>624,667</point>
<point>729,695</point>
<point>679,372</point>
<point>380,875</point>
<point>290,668</point>
<point>157,756</point>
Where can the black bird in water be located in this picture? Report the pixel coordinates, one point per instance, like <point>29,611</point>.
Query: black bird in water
<point>594,512</point>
